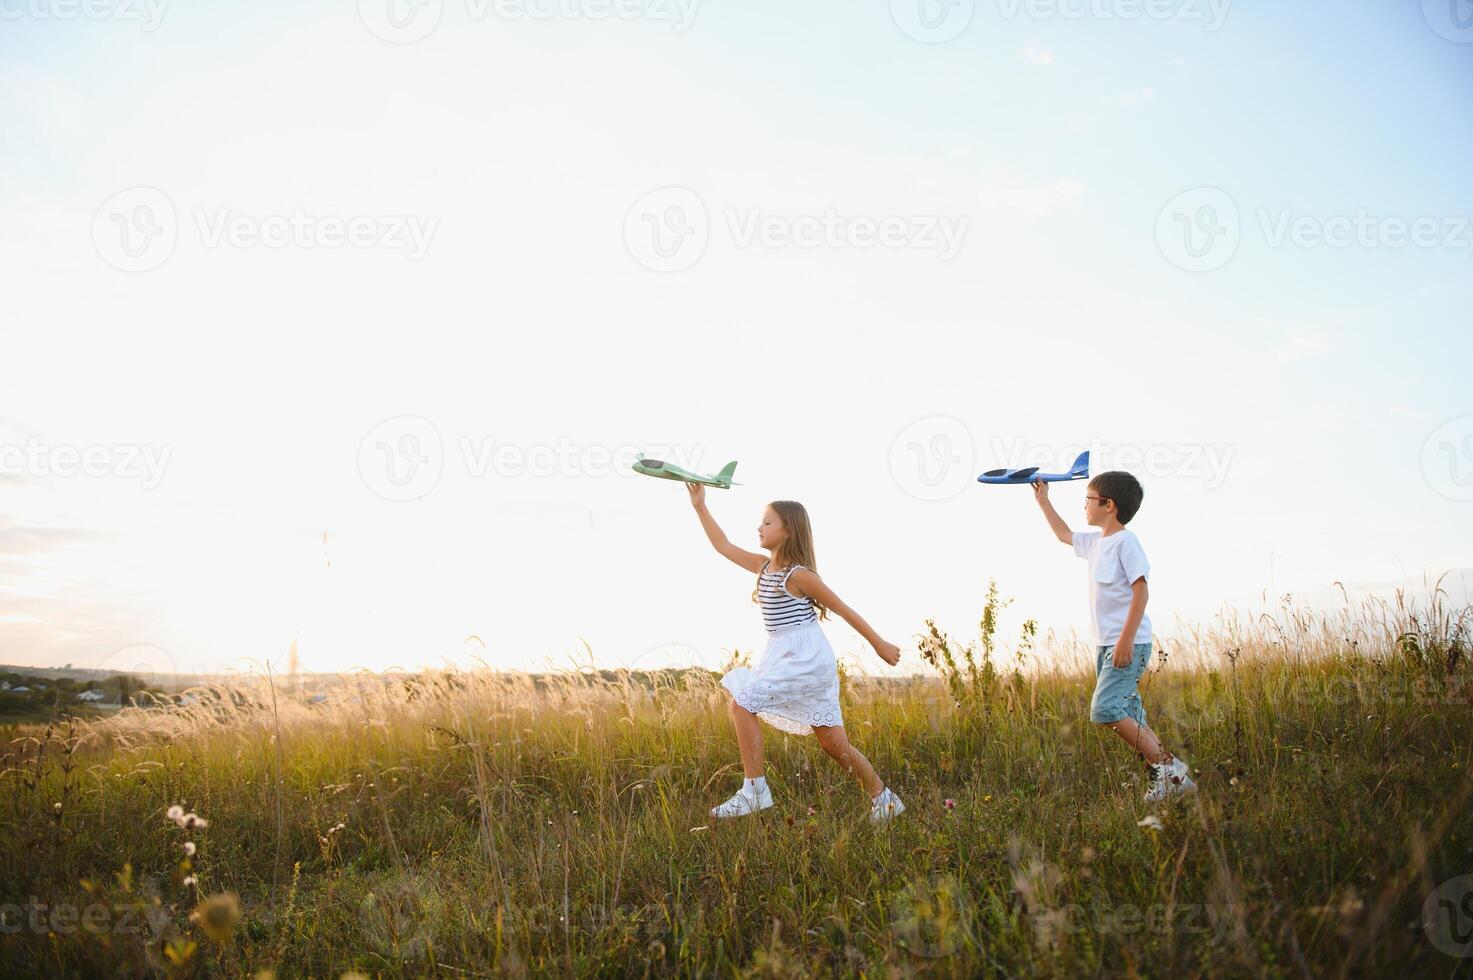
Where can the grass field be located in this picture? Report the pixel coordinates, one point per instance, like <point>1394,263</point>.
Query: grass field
<point>473,823</point>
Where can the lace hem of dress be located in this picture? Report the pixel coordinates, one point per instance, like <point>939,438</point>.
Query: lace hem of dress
<point>776,712</point>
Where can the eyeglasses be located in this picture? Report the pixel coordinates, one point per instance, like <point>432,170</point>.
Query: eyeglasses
<point>1100,499</point>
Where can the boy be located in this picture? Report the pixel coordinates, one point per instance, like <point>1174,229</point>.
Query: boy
<point>1117,600</point>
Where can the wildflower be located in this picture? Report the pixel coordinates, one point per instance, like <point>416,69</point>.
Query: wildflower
<point>1151,822</point>
<point>987,798</point>
<point>176,812</point>
<point>812,810</point>
<point>949,803</point>
<point>216,916</point>
<point>190,880</point>
<point>189,848</point>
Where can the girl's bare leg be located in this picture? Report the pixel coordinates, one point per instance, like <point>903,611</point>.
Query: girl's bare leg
<point>835,742</point>
<point>749,738</point>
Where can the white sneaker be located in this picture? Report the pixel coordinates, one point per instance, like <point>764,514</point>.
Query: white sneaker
<point>1169,779</point>
<point>743,803</point>
<point>885,806</point>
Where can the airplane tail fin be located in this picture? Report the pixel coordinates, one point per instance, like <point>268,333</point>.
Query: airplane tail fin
<point>1081,465</point>
<point>726,472</point>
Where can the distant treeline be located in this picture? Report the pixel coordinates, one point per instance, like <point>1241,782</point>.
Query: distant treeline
<point>22,694</point>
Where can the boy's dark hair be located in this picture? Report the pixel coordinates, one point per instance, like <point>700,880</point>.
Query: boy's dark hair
<point>1121,487</point>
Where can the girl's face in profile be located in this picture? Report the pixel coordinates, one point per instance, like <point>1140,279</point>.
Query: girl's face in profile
<point>771,533</point>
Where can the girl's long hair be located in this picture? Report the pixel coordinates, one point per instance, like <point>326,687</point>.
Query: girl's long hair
<point>798,548</point>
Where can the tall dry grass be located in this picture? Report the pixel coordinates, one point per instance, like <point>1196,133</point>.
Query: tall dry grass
<point>471,822</point>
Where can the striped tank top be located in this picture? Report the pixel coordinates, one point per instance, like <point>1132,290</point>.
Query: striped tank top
<point>781,609</point>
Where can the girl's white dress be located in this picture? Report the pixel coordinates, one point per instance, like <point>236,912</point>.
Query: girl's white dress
<point>795,684</point>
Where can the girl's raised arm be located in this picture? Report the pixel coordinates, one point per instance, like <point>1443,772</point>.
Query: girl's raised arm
<point>749,560</point>
<point>807,583</point>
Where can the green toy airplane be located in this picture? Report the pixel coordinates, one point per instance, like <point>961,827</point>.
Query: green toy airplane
<point>669,471</point>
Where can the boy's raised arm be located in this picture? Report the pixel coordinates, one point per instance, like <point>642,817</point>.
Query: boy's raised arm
<point>1055,522</point>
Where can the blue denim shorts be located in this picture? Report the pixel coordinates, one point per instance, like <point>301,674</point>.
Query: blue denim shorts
<point>1116,696</point>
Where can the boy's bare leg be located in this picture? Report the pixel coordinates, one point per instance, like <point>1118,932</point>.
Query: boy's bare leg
<point>1140,738</point>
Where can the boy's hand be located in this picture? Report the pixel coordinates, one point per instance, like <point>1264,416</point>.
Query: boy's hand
<point>1040,491</point>
<point>1124,652</point>
<point>697,494</point>
<point>889,652</point>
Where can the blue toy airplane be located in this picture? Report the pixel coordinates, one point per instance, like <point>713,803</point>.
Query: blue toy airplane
<point>1079,471</point>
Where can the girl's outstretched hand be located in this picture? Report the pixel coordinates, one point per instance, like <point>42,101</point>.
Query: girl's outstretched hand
<point>697,494</point>
<point>889,652</point>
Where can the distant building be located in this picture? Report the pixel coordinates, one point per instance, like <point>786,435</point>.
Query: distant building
<point>92,695</point>
<point>20,690</point>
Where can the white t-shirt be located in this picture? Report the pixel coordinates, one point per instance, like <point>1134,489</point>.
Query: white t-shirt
<point>1115,562</point>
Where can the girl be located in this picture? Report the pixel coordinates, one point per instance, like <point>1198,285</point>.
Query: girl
<point>795,687</point>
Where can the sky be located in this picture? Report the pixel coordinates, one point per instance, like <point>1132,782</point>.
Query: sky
<point>338,325</point>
